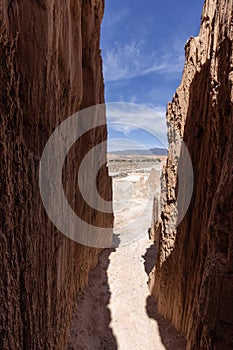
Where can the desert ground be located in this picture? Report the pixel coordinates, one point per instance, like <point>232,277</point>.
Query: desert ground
<point>116,311</point>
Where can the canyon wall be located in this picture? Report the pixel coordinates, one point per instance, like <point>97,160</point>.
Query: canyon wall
<point>51,67</point>
<point>193,277</point>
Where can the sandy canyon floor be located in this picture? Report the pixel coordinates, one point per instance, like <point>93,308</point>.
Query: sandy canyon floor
<point>116,310</point>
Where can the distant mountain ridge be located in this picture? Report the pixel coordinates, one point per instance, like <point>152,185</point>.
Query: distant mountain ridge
<point>141,152</point>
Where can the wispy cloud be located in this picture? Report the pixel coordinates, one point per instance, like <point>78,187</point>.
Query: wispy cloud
<point>121,144</point>
<point>134,59</point>
<point>116,17</point>
<point>127,117</point>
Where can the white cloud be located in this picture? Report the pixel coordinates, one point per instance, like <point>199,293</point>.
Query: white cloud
<point>123,144</point>
<point>126,117</point>
<point>115,18</point>
<point>132,60</point>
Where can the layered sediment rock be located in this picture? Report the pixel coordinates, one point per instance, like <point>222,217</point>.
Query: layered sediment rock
<point>50,68</point>
<point>193,277</point>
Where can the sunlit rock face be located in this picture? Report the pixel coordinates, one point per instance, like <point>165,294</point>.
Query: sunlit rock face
<point>50,68</point>
<point>193,277</point>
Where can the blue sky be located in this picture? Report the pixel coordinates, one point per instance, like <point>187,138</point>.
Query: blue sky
<point>142,46</point>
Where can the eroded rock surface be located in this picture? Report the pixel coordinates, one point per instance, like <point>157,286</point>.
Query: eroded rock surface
<point>193,278</point>
<point>50,68</point>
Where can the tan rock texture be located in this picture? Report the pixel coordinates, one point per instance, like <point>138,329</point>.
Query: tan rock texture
<point>193,277</point>
<point>51,67</point>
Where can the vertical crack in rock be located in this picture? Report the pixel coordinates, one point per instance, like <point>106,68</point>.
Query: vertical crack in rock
<point>193,277</point>
<point>50,68</point>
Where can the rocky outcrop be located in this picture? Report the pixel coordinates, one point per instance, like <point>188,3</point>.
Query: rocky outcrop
<point>50,68</point>
<point>193,277</point>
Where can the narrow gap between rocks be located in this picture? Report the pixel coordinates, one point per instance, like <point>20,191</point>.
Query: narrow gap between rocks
<point>116,311</point>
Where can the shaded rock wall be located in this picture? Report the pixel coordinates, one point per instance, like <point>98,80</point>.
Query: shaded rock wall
<point>193,277</point>
<point>50,68</point>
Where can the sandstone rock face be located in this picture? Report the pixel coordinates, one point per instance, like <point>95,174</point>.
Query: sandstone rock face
<point>193,277</point>
<point>50,68</point>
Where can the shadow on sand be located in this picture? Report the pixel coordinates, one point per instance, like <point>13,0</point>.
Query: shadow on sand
<point>150,258</point>
<point>170,338</point>
<point>90,328</point>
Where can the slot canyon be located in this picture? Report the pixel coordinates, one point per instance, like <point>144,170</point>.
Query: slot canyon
<point>159,286</point>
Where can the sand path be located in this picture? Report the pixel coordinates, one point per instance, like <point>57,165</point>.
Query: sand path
<point>116,311</point>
